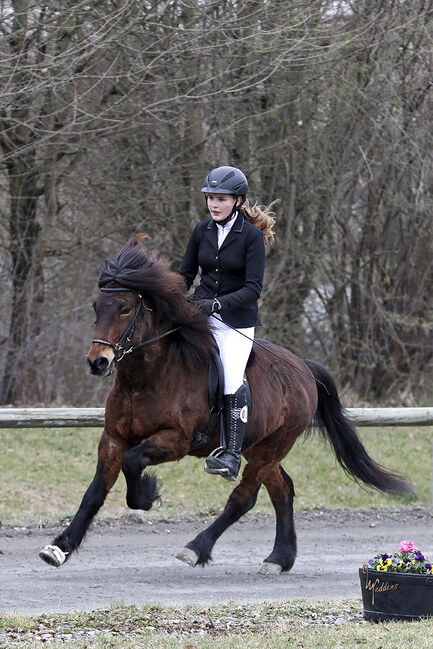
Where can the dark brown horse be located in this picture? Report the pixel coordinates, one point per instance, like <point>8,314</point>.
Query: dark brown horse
<point>160,344</point>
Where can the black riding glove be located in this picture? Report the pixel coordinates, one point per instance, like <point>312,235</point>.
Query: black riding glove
<point>209,306</point>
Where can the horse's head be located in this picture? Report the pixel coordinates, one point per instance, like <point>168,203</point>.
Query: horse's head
<point>120,307</point>
<point>141,302</point>
<point>118,312</point>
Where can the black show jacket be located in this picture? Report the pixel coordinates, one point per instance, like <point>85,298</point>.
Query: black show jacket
<point>233,273</point>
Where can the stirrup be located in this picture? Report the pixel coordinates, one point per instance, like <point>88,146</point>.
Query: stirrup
<point>226,472</point>
<point>217,452</point>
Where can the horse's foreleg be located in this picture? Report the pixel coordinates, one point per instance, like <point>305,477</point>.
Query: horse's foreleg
<point>281,492</point>
<point>109,460</point>
<point>142,488</point>
<point>242,499</point>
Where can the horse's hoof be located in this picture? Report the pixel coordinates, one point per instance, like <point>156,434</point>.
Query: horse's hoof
<point>268,568</point>
<point>188,556</point>
<point>53,555</point>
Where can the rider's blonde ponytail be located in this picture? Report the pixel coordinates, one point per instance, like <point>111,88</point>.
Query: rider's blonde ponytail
<point>262,217</point>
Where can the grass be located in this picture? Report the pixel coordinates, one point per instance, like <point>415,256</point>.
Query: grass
<point>44,473</point>
<point>282,625</point>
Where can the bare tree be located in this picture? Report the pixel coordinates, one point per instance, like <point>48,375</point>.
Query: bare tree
<point>112,113</point>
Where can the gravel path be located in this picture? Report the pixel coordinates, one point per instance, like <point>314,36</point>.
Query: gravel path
<point>134,562</point>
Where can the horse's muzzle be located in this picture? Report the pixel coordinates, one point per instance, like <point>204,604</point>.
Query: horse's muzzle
<point>101,366</point>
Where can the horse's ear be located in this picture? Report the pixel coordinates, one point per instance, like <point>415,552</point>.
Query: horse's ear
<point>137,239</point>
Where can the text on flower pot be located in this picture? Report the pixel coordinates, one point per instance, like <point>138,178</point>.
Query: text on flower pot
<point>376,586</point>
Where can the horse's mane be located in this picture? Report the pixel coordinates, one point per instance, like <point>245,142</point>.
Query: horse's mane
<point>138,270</point>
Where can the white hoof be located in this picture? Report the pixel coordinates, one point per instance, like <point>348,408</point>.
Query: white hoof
<point>188,556</point>
<point>268,568</point>
<point>53,555</point>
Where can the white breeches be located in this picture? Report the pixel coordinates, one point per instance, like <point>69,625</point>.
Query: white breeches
<point>234,351</point>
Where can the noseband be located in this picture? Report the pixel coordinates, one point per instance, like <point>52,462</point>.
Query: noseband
<point>122,345</point>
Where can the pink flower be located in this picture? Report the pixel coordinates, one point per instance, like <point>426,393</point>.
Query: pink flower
<point>408,546</point>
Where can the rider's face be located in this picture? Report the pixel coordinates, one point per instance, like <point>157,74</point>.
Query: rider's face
<point>220,205</point>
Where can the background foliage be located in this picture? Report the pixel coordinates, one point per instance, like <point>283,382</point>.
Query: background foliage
<point>111,114</point>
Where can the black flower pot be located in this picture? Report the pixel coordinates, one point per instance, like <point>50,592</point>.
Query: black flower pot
<point>395,595</point>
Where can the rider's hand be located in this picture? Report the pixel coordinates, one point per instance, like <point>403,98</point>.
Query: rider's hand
<point>209,306</point>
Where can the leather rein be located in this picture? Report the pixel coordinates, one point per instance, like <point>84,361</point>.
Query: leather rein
<point>125,339</point>
<point>121,347</point>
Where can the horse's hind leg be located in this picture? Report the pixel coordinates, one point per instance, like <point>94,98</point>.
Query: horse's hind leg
<point>242,499</point>
<point>281,492</point>
<point>109,460</point>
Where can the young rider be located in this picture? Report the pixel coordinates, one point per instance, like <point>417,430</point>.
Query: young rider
<point>229,248</point>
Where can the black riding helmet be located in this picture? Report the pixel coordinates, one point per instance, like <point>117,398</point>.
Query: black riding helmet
<point>227,180</point>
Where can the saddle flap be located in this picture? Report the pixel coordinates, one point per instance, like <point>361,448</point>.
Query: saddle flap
<point>215,383</point>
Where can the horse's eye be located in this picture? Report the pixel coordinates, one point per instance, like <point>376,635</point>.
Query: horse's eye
<point>125,310</point>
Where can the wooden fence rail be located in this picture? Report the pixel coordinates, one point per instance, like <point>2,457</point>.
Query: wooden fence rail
<point>94,417</point>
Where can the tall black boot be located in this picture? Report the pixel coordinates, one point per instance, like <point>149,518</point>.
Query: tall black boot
<point>226,460</point>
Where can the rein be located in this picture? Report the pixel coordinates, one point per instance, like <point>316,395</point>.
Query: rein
<point>255,342</point>
<point>125,339</point>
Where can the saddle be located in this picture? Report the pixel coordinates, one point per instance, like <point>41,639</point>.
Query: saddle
<point>216,396</point>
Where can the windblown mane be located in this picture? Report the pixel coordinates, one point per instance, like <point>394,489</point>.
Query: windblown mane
<point>136,269</point>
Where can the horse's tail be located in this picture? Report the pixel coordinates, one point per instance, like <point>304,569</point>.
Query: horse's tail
<point>351,454</point>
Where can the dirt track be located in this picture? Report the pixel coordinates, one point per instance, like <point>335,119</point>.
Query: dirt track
<point>135,563</point>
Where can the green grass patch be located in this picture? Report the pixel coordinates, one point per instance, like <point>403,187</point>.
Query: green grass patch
<point>44,473</point>
<point>296,623</point>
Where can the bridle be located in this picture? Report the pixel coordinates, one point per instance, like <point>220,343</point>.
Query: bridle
<point>121,347</point>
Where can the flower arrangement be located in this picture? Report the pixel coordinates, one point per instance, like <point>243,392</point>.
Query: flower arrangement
<point>408,559</point>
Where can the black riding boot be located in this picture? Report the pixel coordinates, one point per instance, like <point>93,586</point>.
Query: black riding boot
<point>226,460</point>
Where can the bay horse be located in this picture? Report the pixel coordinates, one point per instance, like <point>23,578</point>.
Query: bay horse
<point>160,344</point>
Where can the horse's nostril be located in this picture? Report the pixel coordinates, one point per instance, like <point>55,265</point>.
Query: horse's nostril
<point>102,363</point>
<point>99,365</point>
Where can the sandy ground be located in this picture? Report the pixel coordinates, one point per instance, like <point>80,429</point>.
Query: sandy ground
<point>136,562</point>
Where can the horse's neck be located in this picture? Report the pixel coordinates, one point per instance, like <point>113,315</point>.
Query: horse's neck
<point>159,372</point>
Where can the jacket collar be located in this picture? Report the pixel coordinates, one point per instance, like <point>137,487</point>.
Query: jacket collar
<point>237,227</point>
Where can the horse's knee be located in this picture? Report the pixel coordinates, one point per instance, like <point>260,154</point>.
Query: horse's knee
<point>130,465</point>
<point>133,463</point>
